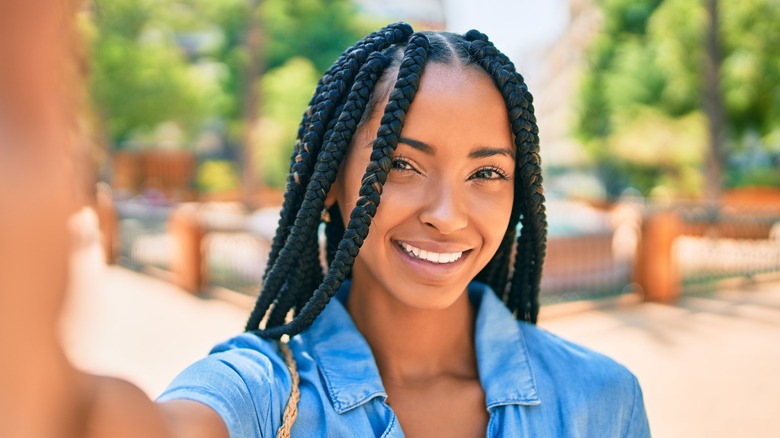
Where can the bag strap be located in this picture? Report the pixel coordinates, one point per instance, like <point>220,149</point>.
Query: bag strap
<point>291,409</point>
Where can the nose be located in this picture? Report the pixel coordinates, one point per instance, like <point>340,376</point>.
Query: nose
<point>445,209</point>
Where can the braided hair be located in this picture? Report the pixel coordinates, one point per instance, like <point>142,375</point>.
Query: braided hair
<point>388,64</point>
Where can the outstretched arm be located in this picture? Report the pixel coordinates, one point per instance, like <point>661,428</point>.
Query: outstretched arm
<point>41,393</point>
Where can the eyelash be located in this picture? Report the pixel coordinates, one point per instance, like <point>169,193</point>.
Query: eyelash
<point>502,175</point>
<point>401,161</point>
<point>400,164</point>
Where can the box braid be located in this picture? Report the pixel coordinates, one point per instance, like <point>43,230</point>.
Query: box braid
<point>522,297</point>
<point>302,237</point>
<point>344,99</point>
<point>310,133</point>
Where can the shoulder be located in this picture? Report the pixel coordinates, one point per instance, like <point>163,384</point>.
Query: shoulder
<point>247,357</point>
<point>561,358</point>
<point>595,390</point>
<point>244,379</point>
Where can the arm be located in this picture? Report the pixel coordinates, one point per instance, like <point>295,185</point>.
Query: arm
<point>42,394</point>
<point>638,425</point>
<point>120,410</point>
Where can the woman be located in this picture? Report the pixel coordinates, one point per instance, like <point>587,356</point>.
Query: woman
<point>418,326</point>
<point>442,128</point>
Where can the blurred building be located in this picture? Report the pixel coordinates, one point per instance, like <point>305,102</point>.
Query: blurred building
<point>546,41</point>
<point>556,84</point>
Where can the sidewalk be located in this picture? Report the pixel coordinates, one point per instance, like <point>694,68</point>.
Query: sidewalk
<point>709,366</point>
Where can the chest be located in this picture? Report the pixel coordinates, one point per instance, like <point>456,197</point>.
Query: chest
<point>452,408</point>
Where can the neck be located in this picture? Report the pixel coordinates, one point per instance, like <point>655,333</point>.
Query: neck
<point>414,345</point>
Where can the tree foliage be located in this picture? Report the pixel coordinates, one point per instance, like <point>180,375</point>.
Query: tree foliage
<point>641,98</point>
<point>285,91</point>
<point>184,63</point>
<point>141,77</point>
<point>315,29</point>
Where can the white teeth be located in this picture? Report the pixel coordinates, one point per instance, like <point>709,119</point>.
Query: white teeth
<point>433,257</point>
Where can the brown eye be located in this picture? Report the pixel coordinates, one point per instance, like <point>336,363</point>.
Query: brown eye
<point>401,164</point>
<point>489,173</point>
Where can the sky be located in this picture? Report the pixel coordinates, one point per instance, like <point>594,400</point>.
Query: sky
<point>522,29</point>
<point>516,27</point>
<point>513,25</point>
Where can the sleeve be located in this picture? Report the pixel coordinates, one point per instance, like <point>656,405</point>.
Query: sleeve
<point>638,426</point>
<point>240,385</point>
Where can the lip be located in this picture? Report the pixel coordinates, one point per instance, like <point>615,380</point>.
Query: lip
<point>434,246</point>
<point>431,271</point>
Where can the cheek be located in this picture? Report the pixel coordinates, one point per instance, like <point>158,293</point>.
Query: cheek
<point>397,205</point>
<point>491,213</point>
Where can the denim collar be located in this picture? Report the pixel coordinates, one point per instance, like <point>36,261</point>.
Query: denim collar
<point>351,376</point>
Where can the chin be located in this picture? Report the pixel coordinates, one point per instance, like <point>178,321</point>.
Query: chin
<point>429,297</point>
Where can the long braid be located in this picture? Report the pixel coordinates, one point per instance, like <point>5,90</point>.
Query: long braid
<point>338,139</point>
<point>409,74</point>
<point>301,239</point>
<point>308,145</point>
<point>495,274</point>
<point>523,294</point>
<point>303,234</point>
<point>308,132</point>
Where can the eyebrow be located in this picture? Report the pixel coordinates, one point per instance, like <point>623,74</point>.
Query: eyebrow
<point>479,152</point>
<point>420,146</point>
<point>485,151</point>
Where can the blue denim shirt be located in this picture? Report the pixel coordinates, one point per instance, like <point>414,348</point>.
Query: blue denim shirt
<point>536,384</point>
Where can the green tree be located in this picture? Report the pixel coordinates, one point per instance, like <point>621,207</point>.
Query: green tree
<point>303,38</point>
<point>141,77</point>
<point>315,29</point>
<point>286,90</point>
<point>186,62</point>
<point>641,98</point>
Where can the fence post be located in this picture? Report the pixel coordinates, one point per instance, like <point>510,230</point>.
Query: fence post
<point>657,271</point>
<point>187,231</point>
<point>107,221</point>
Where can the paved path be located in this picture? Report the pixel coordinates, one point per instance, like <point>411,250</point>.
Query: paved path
<point>709,366</point>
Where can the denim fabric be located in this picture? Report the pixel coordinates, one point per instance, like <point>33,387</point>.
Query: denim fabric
<point>536,384</point>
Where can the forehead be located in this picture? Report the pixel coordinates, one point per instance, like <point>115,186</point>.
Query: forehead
<point>458,104</point>
<point>451,101</point>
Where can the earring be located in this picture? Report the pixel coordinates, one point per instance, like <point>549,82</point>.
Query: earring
<point>325,215</point>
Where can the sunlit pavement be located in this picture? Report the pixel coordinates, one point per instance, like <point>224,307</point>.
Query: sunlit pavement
<point>709,366</point>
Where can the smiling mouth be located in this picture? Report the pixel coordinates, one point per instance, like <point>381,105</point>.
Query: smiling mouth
<point>429,256</point>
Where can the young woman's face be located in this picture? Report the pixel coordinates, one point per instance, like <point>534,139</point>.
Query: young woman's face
<point>446,204</point>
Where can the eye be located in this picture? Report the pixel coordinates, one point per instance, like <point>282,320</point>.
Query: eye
<point>489,173</point>
<point>401,164</point>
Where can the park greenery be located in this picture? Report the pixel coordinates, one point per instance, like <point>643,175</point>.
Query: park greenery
<point>641,116</point>
<point>175,74</point>
<point>166,72</point>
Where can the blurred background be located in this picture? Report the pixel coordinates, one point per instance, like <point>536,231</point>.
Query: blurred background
<point>660,140</point>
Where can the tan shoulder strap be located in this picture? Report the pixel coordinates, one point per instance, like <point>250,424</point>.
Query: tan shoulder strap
<point>291,409</point>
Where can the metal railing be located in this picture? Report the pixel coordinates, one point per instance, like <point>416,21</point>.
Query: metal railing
<point>727,242</point>
<point>230,248</point>
<point>585,267</point>
<point>144,243</point>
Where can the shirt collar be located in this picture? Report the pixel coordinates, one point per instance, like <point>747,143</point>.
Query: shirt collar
<point>348,368</point>
<point>502,357</point>
<point>352,378</point>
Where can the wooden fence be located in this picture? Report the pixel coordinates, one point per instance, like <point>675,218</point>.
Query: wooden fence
<point>672,248</point>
